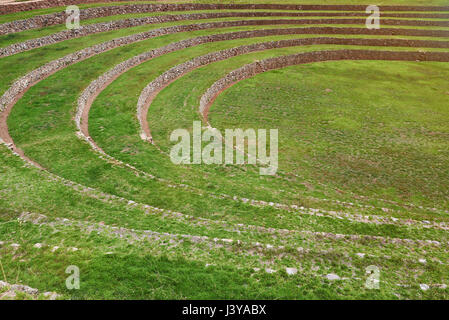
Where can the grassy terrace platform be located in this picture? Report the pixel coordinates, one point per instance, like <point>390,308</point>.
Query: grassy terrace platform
<point>363,155</point>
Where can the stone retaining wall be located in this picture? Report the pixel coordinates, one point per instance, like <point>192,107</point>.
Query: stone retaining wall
<point>97,12</point>
<point>127,23</point>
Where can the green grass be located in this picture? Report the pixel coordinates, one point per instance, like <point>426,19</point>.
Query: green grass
<point>381,132</point>
<point>384,135</point>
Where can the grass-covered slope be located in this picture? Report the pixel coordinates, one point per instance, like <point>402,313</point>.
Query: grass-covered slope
<point>362,179</point>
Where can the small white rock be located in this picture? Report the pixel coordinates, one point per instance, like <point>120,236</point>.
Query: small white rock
<point>268,270</point>
<point>291,271</point>
<point>15,245</point>
<point>424,261</point>
<point>256,269</point>
<point>360,255</point>
<point>424,287</point>
<point>332,276</point>
<point>38,245</point>
<point>54,248</point>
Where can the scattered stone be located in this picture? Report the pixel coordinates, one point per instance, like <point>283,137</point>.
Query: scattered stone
<point>38,245</point>
<point>256,269</point>
<point>74,249</point>
<point>26,289</point>
<point>424,261</point>
<point>15,245</point>
<point>291,271</point>
<point>360,255</point>
<point>13,289</point>
<point>328,90</point>
<point>332,276</point>
<point>268,270</point>
<point>54,248</point>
